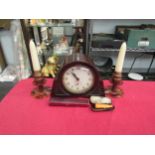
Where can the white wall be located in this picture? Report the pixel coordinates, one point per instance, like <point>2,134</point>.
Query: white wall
<point>6,39</point>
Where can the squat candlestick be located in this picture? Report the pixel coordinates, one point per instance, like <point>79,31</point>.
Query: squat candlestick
<point>40,91</point>
<point>114,90</point>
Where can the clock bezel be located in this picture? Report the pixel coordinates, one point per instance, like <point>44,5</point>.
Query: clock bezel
<point>74,64</point>
<point>58,89</point>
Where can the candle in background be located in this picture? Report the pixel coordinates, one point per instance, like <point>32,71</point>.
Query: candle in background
<point>34,56</point>
<point>120,58</point>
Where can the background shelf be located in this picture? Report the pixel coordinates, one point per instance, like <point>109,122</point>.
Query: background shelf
<point>128,50</point>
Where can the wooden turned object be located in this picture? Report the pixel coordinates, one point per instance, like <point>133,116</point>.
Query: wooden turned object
<point>40,91</point>
<point>116,81</point>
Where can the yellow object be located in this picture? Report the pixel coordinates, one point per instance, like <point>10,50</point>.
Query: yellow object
<point>33,21</point>
<point>51,67</point>
<point>101,105</point>
<point>45,71</point>
<point>52,60</point>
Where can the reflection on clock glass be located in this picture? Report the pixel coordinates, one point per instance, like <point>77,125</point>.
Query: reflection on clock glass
<point>78,79</point>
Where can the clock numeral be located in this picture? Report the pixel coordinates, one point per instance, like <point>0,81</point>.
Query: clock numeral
<point>68,83</point>
<point>87,84</point>
<point>66,79</point>
<point>90,79</point>
<point>78,67</point>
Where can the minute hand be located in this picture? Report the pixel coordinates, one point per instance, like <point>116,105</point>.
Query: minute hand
<point>75,76</point>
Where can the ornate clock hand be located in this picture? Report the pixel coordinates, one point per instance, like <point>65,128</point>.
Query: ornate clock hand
<point>75,76</point>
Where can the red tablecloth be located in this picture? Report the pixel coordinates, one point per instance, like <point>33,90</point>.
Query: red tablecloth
<point>134,113</point>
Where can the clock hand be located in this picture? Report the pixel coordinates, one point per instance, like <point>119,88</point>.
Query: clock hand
<point>75,76</point>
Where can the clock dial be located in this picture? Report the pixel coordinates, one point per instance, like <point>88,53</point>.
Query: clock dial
<point>78,79</point>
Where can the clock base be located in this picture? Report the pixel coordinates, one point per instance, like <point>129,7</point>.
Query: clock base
<point>69,101</point>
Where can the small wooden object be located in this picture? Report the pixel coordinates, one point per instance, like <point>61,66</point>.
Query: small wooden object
<point>40,91</point>
<point>114,90</point>
<point>100,104</point>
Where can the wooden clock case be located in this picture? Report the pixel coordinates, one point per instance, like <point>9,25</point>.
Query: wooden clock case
<point>59,94</point>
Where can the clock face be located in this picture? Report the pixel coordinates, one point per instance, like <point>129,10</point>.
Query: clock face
<point>78,79</point>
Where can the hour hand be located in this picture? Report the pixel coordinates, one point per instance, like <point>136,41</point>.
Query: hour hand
<point>75,76</point>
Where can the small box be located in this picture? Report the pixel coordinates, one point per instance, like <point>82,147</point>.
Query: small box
<point>140,38</point>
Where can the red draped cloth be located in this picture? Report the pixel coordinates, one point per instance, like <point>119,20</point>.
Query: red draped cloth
<point>134,113</point>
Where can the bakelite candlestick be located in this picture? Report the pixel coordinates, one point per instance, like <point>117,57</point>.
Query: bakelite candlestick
<point>114,90</point>
<point>40,91</point>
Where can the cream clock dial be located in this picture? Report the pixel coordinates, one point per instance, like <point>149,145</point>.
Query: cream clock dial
<point>78,79</point>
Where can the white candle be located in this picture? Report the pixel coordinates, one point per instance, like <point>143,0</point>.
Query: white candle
<point>120,58</point>
<point>34,56</point>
